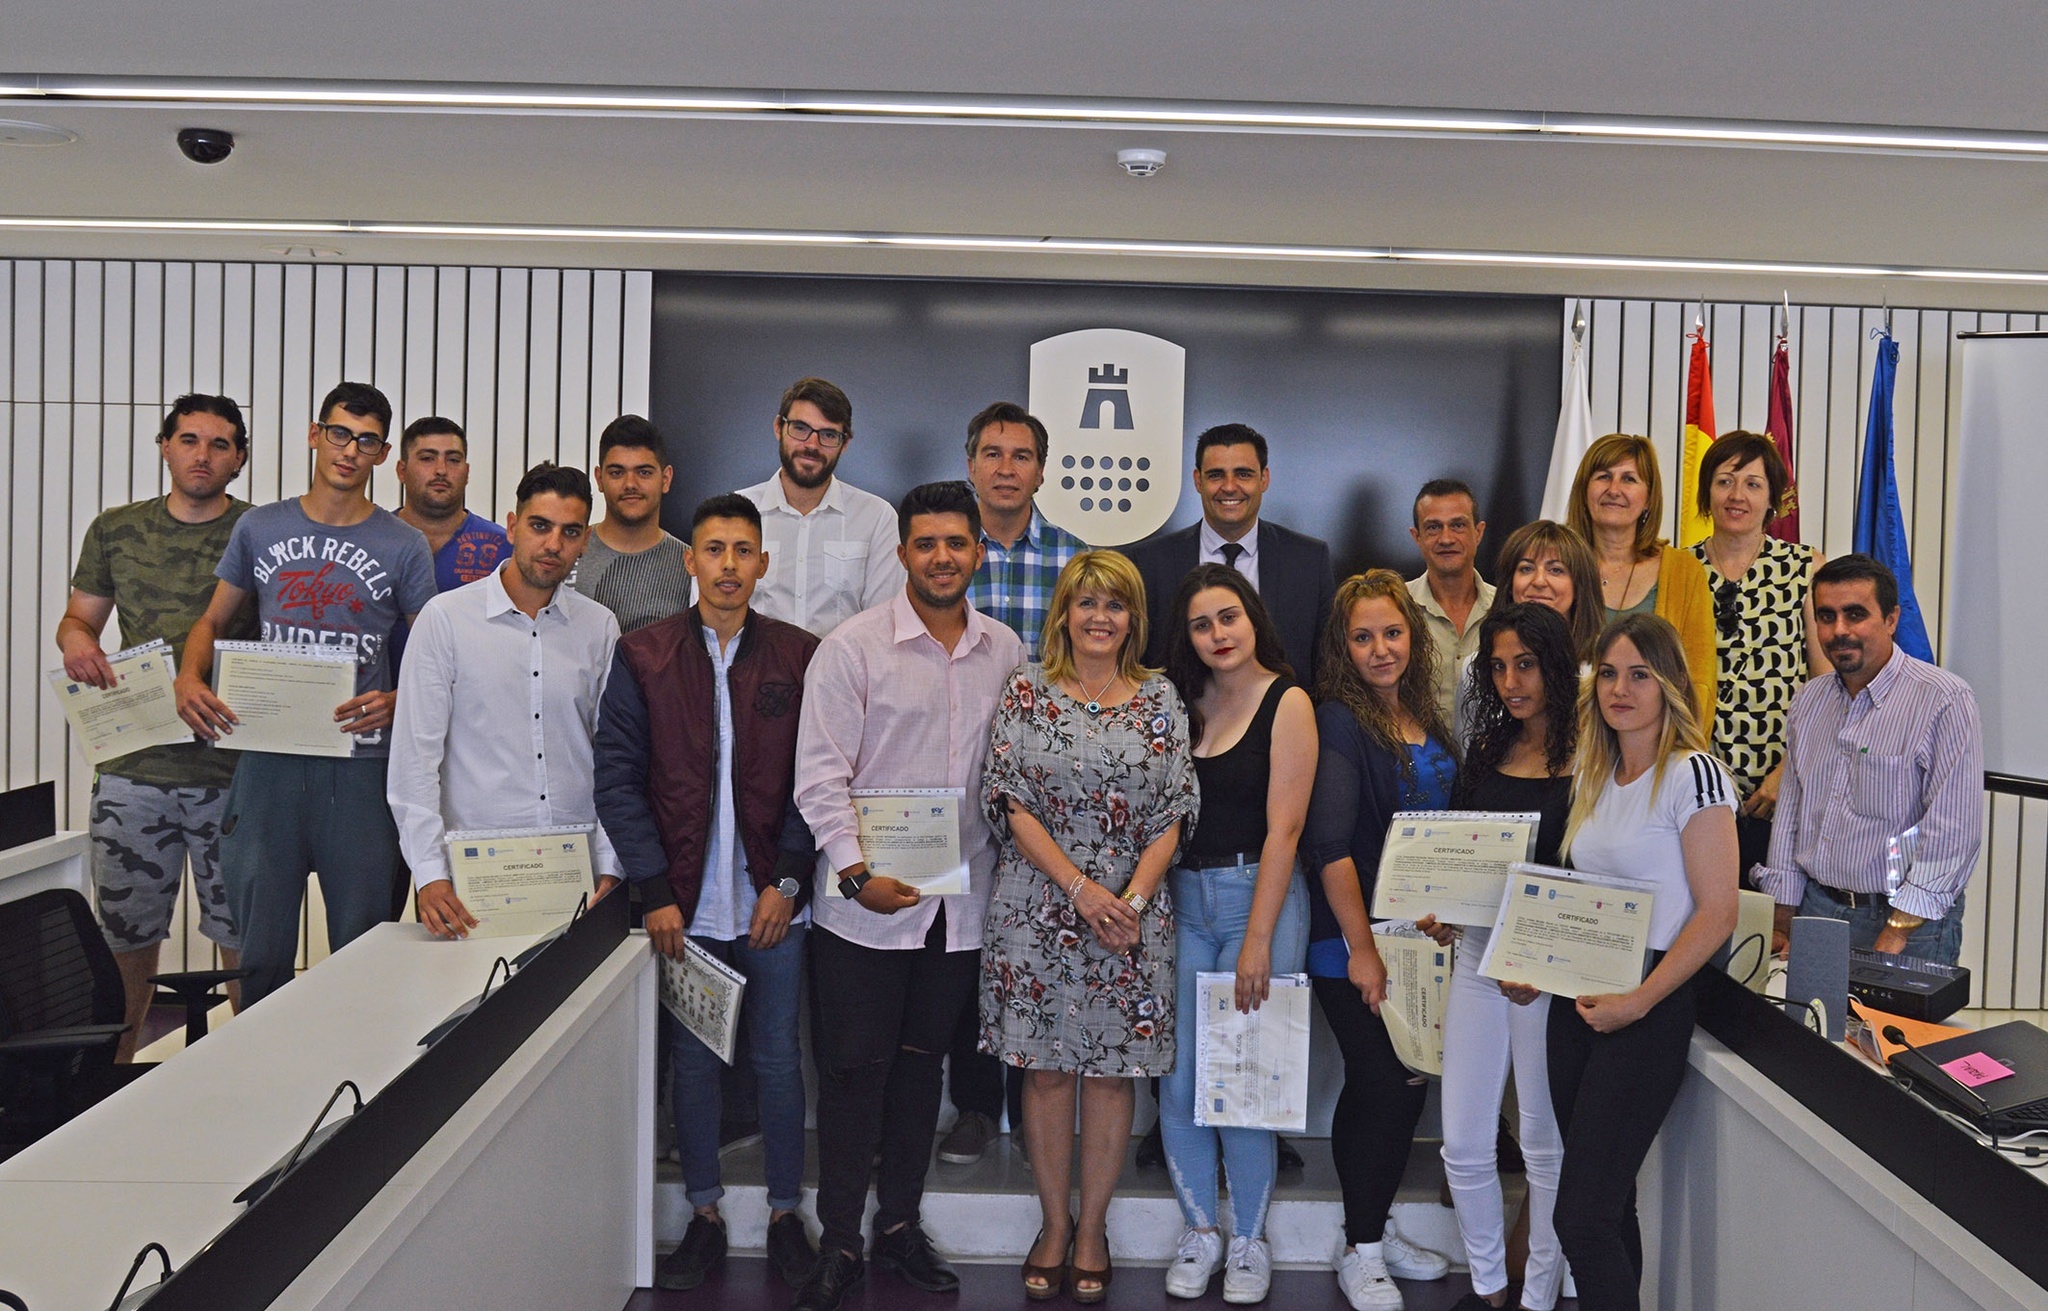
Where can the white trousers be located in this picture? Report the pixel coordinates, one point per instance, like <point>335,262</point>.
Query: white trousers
<point>1483,1031</point>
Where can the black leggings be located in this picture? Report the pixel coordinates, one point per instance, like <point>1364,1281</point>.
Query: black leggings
<point>1611,1092</point>
<point>1374,1122</point>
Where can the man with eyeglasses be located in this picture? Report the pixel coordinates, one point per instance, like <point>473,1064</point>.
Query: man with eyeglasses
<point>329,568</point>
<point>831,548</point>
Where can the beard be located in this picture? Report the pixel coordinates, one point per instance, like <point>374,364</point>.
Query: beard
<point>809,481</point>
<point>939,600</point>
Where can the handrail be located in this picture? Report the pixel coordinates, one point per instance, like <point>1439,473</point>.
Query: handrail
<point>2014,785</point>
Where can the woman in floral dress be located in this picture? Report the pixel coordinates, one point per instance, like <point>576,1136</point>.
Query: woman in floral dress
<point>1091,790</point>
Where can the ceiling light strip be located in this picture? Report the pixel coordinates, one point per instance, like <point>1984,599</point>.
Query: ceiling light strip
<point>1022,244</point>
<point>1318,119</point>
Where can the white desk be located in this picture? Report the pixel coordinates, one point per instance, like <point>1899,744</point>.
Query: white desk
<point>1749,1199</point>
<point>162,1159</point>
<point>58,861</point>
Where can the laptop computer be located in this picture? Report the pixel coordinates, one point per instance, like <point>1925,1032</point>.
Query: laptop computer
<point>2013,1104</point>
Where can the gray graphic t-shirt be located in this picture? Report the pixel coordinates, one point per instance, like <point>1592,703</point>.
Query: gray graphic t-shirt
<point>346,587</point>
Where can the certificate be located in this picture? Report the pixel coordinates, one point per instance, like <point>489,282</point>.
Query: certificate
<point>913,834</point>
<point>1418,979</point>
<point>1452,864</point>
<point>1251,1070</point>
<point>703,993</point>
<point>284,694</point>
<point>139,710</point>
<point>520,882</point>
<point>1571,934</point>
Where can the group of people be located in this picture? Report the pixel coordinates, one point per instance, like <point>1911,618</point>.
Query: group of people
<point>1178,758</point>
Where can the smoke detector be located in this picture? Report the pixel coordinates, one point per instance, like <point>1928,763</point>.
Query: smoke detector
<point>1141,161</point>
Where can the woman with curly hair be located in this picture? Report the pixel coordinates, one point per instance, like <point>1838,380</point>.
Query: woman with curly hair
<point>1384,747</point>
<point>1090,791</point>
<point>1523,696</point>
<point>1239,902</point>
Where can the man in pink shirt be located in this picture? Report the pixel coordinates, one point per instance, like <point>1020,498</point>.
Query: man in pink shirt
<point>898,697</point>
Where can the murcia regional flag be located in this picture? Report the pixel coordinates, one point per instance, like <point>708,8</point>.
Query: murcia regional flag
<point>1699,434</point>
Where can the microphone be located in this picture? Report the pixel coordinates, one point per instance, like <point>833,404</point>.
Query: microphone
<point>1893,1034</point>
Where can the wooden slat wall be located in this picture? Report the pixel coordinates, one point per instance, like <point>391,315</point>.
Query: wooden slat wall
<point>1636,362</point>
<point>533,362</point>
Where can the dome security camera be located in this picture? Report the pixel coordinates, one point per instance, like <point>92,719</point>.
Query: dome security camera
<point>206,145</point>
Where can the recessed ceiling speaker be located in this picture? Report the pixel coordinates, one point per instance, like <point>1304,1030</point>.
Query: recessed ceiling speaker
<point>1141,161</point>
<point>15,132</point>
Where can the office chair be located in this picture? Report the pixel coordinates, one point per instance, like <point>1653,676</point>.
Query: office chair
<point>62,1012</point>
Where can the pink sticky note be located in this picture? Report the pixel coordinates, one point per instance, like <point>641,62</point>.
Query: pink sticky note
<point>1975,1070</point>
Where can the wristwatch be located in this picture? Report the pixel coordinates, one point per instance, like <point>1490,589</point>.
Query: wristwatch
<point>850,888</point>
<point>1903,921</point>
<point>788,887</point>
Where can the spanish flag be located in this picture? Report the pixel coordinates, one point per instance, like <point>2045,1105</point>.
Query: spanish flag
<point>1699,434</point>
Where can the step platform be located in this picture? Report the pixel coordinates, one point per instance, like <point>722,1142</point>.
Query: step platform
<point>988,1211</point>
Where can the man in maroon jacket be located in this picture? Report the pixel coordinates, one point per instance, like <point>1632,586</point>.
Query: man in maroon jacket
<point>695,761</point>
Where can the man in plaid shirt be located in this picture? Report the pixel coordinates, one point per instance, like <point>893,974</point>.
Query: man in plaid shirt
<point>1023,555</point>
<point>1006,454</point>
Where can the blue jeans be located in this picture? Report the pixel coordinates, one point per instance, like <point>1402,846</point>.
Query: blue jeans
<point>1939,940</point>
<point>1212,907</point>
<point>774,979</point>
<point>286,817</point>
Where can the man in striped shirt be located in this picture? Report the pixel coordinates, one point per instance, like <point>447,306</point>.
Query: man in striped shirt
<point>1888,745</point>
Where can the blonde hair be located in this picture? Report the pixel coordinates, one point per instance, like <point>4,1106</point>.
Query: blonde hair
<point>1338,679</point>
<point>1609,451</point>
<point>1106,573</point>
<point>1600,746</point>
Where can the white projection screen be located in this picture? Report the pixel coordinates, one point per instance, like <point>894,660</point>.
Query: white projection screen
<point>1998,589</point>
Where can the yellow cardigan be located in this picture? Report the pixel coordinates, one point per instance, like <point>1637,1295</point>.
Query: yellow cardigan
<point>1687,603</point>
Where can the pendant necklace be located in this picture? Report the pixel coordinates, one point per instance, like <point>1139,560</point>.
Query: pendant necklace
<point>1094,706</point>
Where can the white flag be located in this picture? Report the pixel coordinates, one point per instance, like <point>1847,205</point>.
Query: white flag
<point>1574,437</point>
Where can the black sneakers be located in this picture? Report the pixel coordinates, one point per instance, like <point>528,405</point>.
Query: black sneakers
<point>700,1252</point>
<point>789,1249</point>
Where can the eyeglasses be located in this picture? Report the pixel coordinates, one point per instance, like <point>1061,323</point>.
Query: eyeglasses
<point>800,432</point>
<point>1728,608</point>
<point>368,443</point>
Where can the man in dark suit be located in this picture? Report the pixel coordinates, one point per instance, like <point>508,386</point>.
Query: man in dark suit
<point>1290,570</point>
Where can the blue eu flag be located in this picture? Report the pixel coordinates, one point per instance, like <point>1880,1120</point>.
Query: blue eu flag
<point>1880,524</point>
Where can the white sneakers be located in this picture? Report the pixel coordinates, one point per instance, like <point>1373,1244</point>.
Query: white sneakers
<point>1362,1275</point>
<point>1407,1261</point>
<point>1195,1262</point>
<point>1248,1272</point>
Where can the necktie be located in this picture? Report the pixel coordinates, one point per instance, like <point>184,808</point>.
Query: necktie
<point>1231,551</point>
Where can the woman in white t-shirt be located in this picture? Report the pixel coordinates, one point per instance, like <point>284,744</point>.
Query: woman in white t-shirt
<point>1648,801</point>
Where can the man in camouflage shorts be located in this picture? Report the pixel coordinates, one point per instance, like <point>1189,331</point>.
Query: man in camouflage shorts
<point>153,809</point>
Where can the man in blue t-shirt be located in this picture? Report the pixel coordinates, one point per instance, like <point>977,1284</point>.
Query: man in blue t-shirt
<point>433,465</point>
<point>327,568</point>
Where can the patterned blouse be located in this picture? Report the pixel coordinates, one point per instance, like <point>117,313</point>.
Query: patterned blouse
<point>1760,634</point>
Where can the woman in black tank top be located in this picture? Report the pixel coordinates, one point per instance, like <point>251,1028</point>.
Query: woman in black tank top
<point>1238,902</point>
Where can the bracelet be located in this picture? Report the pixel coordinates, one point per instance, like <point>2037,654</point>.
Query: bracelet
<point>1903,920</point>
<point>1075,887</point>
<point>1136,901</point>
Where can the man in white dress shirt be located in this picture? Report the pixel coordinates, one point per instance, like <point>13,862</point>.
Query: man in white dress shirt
<point>499,697</point>
<point>831,548</point>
